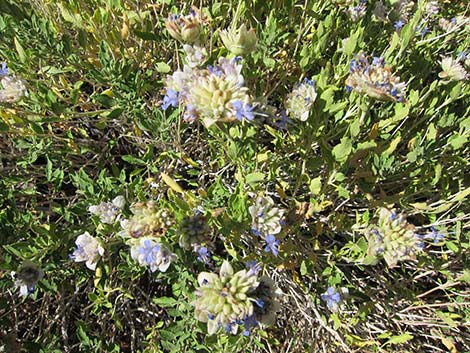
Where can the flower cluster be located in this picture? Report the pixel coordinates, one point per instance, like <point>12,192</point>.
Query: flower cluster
<point>393,238</point>
<point>148,252</point>
<point>143,231</point>
<point>186,29</point>
<point>88,249</point>
<point>214,94</point>
<point>230,299</point>
<point>12,88</point>
<point>27,276</point>
<point>300,100</point>
<point>358,11</point>
<point>266,221</point>
<point>374,79</point>
<point>147,220</point>
<point>108,211</point>
<point>194,231</point>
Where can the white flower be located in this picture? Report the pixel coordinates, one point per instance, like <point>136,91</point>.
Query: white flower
<point>13,89</point>
<point>108,211</point>
<point>195,55</point>
<point>88,249</point>
<point>148,252</point>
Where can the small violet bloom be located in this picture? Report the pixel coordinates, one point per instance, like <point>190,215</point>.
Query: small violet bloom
<point>254,268</point>
<point>204,255</point>
<point>272,244</point>
<point>398,25</point>
<point>148,250</point>
<point>333,297</point>
<point>249,323</point>
<point>434,235</point>
<point>243,110</point>
<point>171,98</point>
<point>4,69</point>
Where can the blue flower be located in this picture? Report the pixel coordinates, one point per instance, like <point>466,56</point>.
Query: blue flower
<point>434,235</point>
<point>272,244</point>
<point>250,323</point>
<point>332,298</point>
<point>149,250</point>
<point>171,98</point>
<point>254,268</point>
<point>204,255</point>
<point>378,61</point>
<point>259,302</point>
<point>256,232</point>
<point>398,25</point>
<point>243,110</point>
<point>4,69</point>
<point>215,70</point>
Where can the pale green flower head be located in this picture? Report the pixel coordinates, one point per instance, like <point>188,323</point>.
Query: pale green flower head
<point>195,55</point>
<point>452,70</point>
<point>147,220</point>
<point>393,238</point>
<point>222,299</point>
<point>213,91</point>
<point>301,99</point>
<point>108,211</point>
<point>266,218</point>
<point>239,41</point>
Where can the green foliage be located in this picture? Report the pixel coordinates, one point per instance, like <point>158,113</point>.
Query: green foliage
<point>92,127</point>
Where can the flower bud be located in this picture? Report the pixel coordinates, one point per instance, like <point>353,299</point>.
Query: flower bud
<point>186,29</point>
<point>239,41</point>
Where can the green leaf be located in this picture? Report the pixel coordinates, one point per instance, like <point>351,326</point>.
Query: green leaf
<point>457,141</point>
<point>133,160</point>
<point>165,301</point>
<point>20,50</point>
<point>254,178</point>
<point>163,67</point>
<point>343,150</point>
<point>399,339</point>
<point>49,170</point>
<point>315,186</point>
